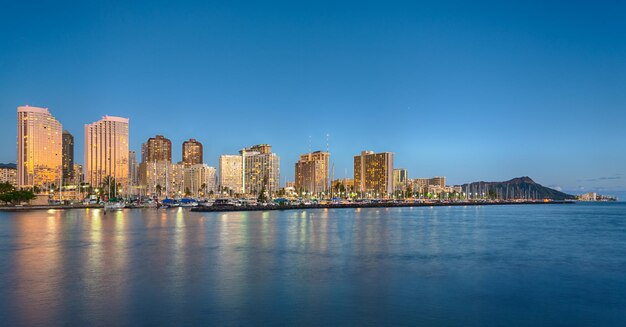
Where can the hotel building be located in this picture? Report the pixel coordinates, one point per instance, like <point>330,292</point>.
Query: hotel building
<point>231,173</point>
<point>106,150</point>
<point>192,152</point>
<point>373,174</point>
<point>261,169</point>
<point>312,172</point>
<point>39,148</point>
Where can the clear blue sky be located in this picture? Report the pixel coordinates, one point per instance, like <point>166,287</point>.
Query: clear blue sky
<point>473,91</point>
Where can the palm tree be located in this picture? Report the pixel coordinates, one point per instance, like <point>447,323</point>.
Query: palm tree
<point>108,185</point>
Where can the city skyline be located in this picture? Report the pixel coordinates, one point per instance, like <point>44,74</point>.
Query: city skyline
<point>501,99</point>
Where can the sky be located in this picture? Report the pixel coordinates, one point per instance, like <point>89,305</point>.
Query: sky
<point>470,90</point>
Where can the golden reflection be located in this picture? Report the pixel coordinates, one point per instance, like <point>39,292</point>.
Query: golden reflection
<point>37,265</point>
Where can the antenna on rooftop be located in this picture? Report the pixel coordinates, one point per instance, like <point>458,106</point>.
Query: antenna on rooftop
<point>327,142</point>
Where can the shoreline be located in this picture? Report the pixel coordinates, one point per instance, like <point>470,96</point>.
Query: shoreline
<point>369,205</point>
<point>290,207</point>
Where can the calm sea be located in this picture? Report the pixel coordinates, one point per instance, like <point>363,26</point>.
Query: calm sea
<point>526,265</point>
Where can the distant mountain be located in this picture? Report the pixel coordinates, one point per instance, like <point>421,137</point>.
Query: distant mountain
<point>8,165</point>
<point>520,187</point>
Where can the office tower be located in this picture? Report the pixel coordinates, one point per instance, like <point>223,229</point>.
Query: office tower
<point>106,151</point>
<point>373,174</point>
<point>312,172</point>
<point>192,152</point>
<point>400,179</point>
<point>200,180</point>
<point>231,173</point>
<point>39,148</point>
<point>132,168</point>
<point>68,157</point>
<point>261,169</point>
<point>156,149</point>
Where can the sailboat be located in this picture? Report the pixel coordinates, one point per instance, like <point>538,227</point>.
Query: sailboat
<point>113,203</point>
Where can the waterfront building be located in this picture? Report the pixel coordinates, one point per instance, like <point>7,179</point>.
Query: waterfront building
<point>200,180</point>
<point>39,148</point>
<point>312,172</point>
<point>373,174</point>
<point>133,178</point>
<point>290,184</point>
<point>261,169</point>
<point>400,179</point>
<point>106,150</point>
<point>68,157</point>
<point>162,178</point>
<point>192,152</point>
<point>231,173</point>
<point>8,174</point>
<point>156,149</point>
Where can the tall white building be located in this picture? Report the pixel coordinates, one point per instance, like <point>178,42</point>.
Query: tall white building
<point>231,173</point>
<point>261,169</point>
<point>39,148</point>
<point>106,150</point>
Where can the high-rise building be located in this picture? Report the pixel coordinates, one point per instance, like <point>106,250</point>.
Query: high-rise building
<point>192,152</point>
<point>156,149</point>
<point>39,148</point>
<point>373,174</point>
<point>106,150</point>
<point>261,169</point>
<point>200,180</point>
<point>400,179</point>
<point>231,173</point>
<point>132,168</point>
<point>312,172</point>
<point>68,157</point>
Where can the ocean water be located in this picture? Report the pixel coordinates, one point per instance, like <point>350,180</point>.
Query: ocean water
<point>526,265</point>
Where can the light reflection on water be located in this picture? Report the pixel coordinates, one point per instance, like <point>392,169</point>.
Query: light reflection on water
<point>524,265</point>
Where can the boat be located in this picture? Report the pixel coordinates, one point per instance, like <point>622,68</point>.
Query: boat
<point>113,204</point>
<point>168,203</point>
<point>188,203</point>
